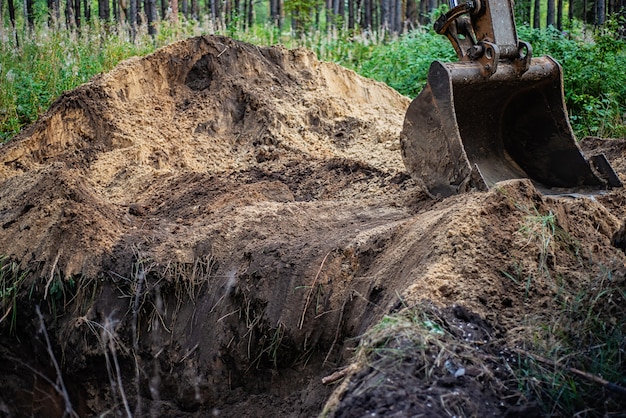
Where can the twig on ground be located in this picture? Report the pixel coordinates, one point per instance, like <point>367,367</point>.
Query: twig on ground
<point>107,340</point>
<point>59,386</point>
<point>343,307</point>
<point>591,377</point>
<point>340,374</point>
<point>141,275</point>
<point>54,266</point>
<point>308,296</point>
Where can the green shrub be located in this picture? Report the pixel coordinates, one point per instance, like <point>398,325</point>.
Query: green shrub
<point>403,63</point>
<point>50,62</point>
<point>594,75</point>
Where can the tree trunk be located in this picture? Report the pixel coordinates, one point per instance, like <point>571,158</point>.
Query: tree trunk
<point>570,12</point>
<point>399,13</point>
<point>411,15</point>
<point>12,18</point>
<point>184,8</point>
<point>164,6</point>
<point>57,12</point>
<point>422,12</point>
<point>367,15</point>
<point>237,13</point>
<point>29,15</point>
<point>194,12</point>
<point>244,14</point>
<point>594,13</point>
<point>104,12</point>
<point>174,16</point>
<point>273,11</point>
<point>384,15</point>
<point>274,15</point>
<point>214,13</point>
<point>559,14</point>
<point>132,20</point>
<point>375,11</point>
<point>87,10</point>
<point>330,17</point>
<point>600,12</point>
<point>227,11</point>
<point>537,15</point>
<point>550,14</point>
<point>621,10</point>
<point>116,11</point>
<point>79,12</point>
<point>338,12</point>
<point>393,28</point>
<point>69,14</point>
<point>150,8</point>
<point>351,15</point>
<point>52,19</point>
<point>432,5</point>
<point>250,13</point>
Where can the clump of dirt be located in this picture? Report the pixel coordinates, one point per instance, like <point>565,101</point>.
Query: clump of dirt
<point>214,228</point>
<point>434,362</point>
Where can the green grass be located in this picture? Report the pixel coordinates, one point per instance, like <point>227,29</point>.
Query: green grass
<point>415,329</point>
<point>11,280</point>
<point>594,76</point>
<point>580,327</point>
<point>51,62</point>
<point>403,63</point>
<point>539,233</point>
<point>587,333</point>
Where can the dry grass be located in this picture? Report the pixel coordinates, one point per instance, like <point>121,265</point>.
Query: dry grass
<point>584,332</point>
<point>11,280</point>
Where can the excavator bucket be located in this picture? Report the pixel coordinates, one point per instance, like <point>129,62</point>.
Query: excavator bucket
<point>485,120</point>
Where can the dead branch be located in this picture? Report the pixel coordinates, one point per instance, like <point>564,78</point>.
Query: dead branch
<point>591,377</point>
<point>338,374</point>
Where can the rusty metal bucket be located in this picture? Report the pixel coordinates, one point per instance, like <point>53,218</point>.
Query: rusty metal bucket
<point>466,131</point>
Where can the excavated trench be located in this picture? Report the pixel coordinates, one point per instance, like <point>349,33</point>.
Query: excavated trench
<point>217,227</point>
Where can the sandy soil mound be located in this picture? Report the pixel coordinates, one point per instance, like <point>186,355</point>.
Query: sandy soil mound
<point>214,228</point>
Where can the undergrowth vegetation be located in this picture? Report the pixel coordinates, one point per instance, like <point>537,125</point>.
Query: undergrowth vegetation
<point>11,280</point>
<point>573,360</point>
<point>49,62</point>
<point>570,357</point>
<point>594,77</point>
<point>568,364</point>
<point>449,354</point>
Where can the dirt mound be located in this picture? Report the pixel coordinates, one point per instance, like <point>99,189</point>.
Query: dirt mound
<point>208,106</point>
<point>215,227</point>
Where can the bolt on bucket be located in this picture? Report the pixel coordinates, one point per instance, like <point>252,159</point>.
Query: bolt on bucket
<point>498,114</point>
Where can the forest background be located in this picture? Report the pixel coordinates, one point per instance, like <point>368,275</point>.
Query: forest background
<point>49,46</point>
